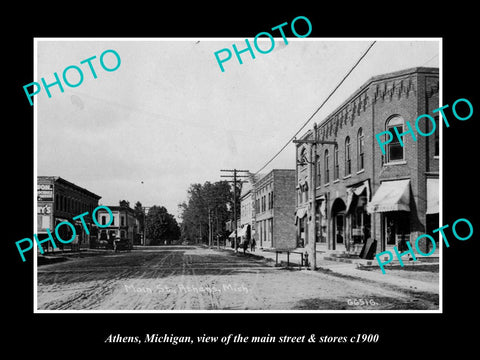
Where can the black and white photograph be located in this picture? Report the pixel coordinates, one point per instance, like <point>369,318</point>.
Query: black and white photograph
<point>218,180</point>
<point>238,187</point>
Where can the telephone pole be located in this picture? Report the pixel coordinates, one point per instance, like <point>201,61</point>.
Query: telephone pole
<point>313,171</point>
<point>234,176</point>
<point>145,210</point>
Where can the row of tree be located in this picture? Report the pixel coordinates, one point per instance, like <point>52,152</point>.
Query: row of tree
<point>158,225</point>
<point>207,209</point>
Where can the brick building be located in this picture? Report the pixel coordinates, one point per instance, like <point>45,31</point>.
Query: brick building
<point>60,200</point>
<point>348,191</point>
<point>274,200</point>
<point>247,209</point>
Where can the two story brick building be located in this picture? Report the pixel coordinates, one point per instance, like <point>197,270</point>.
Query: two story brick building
<point>274,196</point>
<point>348,191</point>
<point>60,200</point>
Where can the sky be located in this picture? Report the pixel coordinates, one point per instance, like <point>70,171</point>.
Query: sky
<point>169,117</point>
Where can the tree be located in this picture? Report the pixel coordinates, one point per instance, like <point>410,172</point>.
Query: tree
<point>160,226</point>
<point>214,198</point>
<point>124,203</point>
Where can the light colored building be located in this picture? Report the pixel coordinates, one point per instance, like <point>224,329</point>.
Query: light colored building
<point>124,224</point>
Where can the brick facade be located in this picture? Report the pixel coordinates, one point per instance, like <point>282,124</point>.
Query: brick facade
<point>400,96</point>
<point>60,200</point>
<point>274,210</point>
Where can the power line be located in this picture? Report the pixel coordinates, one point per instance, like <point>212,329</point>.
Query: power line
<point>318,109</point>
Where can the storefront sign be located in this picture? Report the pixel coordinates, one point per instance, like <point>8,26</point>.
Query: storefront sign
<point>45,192</point>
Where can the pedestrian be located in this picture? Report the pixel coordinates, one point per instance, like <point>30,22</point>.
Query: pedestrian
<point>245,246</point>
<point>252,245</point>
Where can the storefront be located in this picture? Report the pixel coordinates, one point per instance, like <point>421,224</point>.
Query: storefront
<point>392,203</point>
<point>302,227</point>
<point>432,213</point>
<point>358,220</point>
<point>321,223</point>
<point>59,200</point>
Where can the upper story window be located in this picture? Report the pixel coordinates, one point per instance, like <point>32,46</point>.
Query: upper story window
<point>336,172</point>
<point>303,159</point>
<point>327,170</point>
<point>436,136</point>
<point>394,150</point>
<point>319,170</point>
<point>122,221</point>
<point>348,162</point>
<point>361,148</point>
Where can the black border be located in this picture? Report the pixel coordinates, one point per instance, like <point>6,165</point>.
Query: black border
<point>83,334</point>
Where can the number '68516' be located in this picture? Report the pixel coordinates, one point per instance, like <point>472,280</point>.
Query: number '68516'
<point>361,302</point>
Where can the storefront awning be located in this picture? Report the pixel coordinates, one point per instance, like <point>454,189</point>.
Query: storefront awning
<point>357,191</point>
<point>240,232</point>
<point>300,213</point>
<point>433,195</point>
<point>391,196</point>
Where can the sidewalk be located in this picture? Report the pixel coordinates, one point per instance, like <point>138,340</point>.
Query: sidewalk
<point>410,278</point>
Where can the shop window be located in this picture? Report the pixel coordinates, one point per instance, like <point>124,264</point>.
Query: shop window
<point>394,150</point>
<point>397,229</point>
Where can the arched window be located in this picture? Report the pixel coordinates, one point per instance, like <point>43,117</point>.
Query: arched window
<point>348,163</point>
<point>360,149</point>
<point>327,171</point>
<point>303,157</point>
<point>319,172</point>
<point>336,173</point>
<point>394,151</point>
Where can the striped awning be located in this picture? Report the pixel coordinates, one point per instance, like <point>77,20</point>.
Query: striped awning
<point>391,196</point>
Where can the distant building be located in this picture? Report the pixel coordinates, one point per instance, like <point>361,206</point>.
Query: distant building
<point>60,200</point>
<point>124,225</point>
<point>247,213</point>
<point>359,192</point>
<point>274,210</point>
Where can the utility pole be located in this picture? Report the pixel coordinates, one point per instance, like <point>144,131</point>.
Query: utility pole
<point>216,228</point>
<point>313,163</point>
<point>209,229</point>
<point>145,210</point>
<point>234,181</point>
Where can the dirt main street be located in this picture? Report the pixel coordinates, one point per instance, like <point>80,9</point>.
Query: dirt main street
<point>196,278</point>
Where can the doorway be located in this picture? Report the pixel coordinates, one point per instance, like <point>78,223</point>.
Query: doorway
<point>338,228</point>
